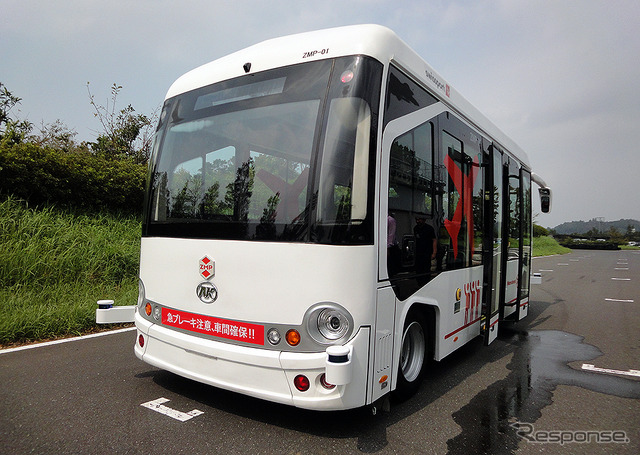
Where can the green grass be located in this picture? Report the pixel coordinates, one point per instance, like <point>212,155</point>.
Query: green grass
<point>55,265</point>
<point>547,246</point>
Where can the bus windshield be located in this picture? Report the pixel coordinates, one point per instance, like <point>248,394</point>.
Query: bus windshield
<point>281,155</point>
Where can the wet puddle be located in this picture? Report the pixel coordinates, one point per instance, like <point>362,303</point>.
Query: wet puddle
<point>539,365</point>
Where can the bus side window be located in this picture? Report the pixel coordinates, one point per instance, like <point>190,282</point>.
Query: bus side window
<point>411,203</point>
<point>404,96</point>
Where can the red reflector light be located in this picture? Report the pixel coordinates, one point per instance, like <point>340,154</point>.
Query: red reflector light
<point>301,382</point>
<point>325,384</point>
<point>141,341</point>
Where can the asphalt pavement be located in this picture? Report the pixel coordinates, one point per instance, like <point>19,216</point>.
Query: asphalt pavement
<point>561,381</point>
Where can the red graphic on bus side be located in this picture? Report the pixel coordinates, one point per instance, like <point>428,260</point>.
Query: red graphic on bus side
<point>472,308</point>
<point>464,207</point>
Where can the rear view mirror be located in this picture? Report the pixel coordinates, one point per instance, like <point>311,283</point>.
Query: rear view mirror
<point>545,199</point>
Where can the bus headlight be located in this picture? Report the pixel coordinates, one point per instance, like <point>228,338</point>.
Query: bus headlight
<point>140,293</point>
<point>332,323</point>
<point>328,323</point>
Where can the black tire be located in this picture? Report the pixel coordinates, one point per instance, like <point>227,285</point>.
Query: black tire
<point>413,355</point>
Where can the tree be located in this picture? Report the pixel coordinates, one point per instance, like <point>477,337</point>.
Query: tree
<point>7,102</point>
<point>630,230</point>
<point>593,233</point>
<point>615,235</point>
<point>55,135</point>
<point>12,131</point>
<point>125,134</point>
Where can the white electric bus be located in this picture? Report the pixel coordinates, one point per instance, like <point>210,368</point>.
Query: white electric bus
<point>324,215</point>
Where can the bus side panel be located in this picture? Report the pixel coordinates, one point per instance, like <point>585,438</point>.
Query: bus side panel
<point>382,352</point>
<point>459,320</point>
<point>457,295</point>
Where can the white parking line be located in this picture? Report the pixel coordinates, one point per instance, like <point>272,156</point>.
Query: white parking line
<point>158,406</point>
<point>619,300</point>
<point>65,340</point>
<point>586,366</point>
<point>621,279</point>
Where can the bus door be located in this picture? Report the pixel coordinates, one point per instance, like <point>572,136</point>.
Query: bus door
<point>512,236</point>
<point>493,264</point>
<point>525,245</point>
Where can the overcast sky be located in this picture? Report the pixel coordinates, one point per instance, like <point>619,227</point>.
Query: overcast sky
<point>561,77</point>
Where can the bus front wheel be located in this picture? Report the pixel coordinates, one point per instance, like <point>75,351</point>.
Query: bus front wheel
<point>412,355</point>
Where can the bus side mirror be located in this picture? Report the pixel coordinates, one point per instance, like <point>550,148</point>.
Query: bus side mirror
<point>545,199</point>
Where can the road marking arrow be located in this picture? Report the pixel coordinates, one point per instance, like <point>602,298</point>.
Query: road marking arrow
<point>158,406</point>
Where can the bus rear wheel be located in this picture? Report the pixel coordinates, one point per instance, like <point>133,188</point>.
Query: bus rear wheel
<point>412,355</point>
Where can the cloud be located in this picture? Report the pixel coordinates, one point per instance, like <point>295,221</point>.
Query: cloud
<point>560,78</point>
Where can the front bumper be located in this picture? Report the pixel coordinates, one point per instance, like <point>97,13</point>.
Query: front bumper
<point>260,373</point>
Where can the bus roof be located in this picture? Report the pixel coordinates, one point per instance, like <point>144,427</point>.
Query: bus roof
<point>372,40</point>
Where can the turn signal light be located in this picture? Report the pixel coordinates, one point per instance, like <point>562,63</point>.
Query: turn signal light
<point>148,309</point>
<point>293,337</point>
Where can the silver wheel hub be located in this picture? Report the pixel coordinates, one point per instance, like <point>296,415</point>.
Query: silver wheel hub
<point>413,350</point>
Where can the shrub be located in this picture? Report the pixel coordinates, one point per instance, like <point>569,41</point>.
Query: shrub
<point>539,231</point>
<point>77,179</point>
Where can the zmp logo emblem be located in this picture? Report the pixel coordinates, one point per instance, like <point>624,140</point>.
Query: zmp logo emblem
<point>207,268</point>
<point>207,292</point>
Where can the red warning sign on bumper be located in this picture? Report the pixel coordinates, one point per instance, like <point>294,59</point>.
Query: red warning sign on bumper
<point>220,328</point>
